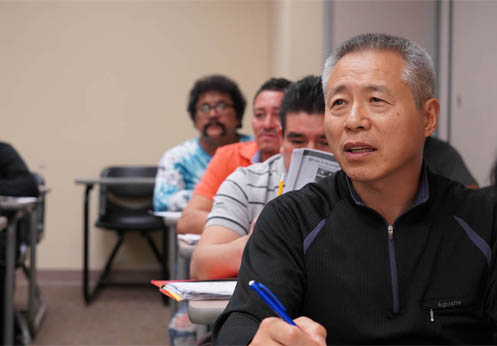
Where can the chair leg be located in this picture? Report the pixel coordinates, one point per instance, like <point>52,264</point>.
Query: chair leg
<point>154,248</point>
<point>107,267</point>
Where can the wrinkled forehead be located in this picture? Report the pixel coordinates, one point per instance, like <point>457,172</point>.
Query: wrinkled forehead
<point>365,65</point>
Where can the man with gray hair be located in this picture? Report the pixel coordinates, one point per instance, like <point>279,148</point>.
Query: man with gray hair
<point>440,156</point>
<point>384,251</point>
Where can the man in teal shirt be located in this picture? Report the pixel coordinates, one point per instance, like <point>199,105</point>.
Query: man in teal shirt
<point>216,107</point>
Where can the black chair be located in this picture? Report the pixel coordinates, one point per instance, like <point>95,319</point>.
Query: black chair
<point>126,208</point>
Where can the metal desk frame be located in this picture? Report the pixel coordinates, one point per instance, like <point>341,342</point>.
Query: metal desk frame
<point>170,219</point>
<point>17,207</point>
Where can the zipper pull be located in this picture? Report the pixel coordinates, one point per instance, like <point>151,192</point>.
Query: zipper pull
<point>432,316</point>
<point>390,232</point>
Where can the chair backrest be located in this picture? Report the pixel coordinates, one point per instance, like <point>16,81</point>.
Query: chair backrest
<point>126,198</point>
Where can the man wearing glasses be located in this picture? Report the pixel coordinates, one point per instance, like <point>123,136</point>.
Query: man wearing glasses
<point>216,107</point>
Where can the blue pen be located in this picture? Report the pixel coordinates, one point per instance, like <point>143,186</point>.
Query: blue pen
<point>271,300</point>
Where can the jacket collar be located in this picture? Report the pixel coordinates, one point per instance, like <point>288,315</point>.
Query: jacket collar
<point>422,195</point>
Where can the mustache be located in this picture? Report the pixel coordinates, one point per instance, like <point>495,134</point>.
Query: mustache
<point>214,123</point>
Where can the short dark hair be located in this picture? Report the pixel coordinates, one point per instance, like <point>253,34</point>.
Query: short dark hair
<point>273,84</point>
<point>305,95</point>
<point>220,84</point>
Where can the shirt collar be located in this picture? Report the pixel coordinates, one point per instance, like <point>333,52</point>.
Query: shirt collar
<point>422,194</point>
<point>256,157</point>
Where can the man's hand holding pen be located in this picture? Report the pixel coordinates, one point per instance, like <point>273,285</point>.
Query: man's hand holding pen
<point>284,330</point>
<point>275,331</point>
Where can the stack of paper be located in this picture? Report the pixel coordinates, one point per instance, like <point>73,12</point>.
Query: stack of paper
<point>197,290</point>
<point>189,238</point>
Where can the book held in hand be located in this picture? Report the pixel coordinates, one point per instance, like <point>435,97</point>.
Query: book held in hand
<point>309,165</point>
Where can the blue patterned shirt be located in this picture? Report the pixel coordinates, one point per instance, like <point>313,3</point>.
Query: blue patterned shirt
<point>180,169</point>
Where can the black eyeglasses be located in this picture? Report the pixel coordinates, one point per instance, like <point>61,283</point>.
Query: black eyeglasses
<point>220,107</point>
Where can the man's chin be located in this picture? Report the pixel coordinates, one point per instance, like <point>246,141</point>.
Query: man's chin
<point>268,143</point>
<point>361,175</point>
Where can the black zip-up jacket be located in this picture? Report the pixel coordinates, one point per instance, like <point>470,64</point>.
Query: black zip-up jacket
<point>430,278</point>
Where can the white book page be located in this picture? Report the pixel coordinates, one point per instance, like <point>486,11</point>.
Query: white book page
<point>308,165</point>
<point>196,290</point>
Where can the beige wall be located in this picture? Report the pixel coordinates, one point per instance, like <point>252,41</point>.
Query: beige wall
<point>86,84</point>
<point>298,35</point>
<point>412,19</point>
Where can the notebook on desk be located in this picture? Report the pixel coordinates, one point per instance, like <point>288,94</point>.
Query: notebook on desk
<point>196,290</point>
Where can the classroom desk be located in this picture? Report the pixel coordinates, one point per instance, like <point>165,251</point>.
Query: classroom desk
<point>205,311</point>
<point>89,183</point>
<point>16,207</point>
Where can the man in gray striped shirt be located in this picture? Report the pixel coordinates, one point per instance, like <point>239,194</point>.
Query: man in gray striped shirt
<point>243,195</point>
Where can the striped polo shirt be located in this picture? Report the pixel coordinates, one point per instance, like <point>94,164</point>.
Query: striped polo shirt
<point>244,193</point>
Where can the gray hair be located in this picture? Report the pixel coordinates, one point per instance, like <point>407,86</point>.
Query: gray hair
<point>418,74</point>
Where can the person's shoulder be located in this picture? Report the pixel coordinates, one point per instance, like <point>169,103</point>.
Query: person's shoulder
<point>6,146</point>
<point>259,168</point>
<point>447,189</point>
<point>187,148</point>
<point>438,147</point>
<point>255,169</point>
<point>317,198</point>
<point>8,152</point>
<point>257,173</point>
<point>453,198</point>
<point>246,138</point>
<point>330,189</point>
<point>233,148</point>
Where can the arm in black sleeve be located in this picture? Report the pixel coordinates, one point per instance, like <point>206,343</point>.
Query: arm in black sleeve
<point>15,178</point>
<point>274,257</point>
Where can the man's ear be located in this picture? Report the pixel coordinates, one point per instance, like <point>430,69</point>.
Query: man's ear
<point>431,110</point>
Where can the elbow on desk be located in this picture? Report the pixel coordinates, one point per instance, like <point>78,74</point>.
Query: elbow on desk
<point>202,267</point>
<point>197,270</point>
<point>183,226</point>
<point>205,265</point>
<point>180,225</point>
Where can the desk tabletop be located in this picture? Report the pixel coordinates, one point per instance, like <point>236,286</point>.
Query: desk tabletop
<point>170,217</point>
<point>117,181</point>
<point>17,203</point>
<point>205,311</point>
<point>44,189</point>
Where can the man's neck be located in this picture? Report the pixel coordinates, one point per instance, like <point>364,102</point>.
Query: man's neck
<point>266,155</point>
<point>392,196</point>
<point>209,145</point>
